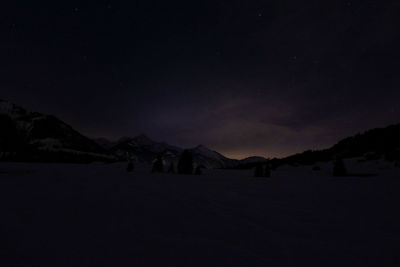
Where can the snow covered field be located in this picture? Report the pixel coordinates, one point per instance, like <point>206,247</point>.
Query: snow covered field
<point>99,215</point>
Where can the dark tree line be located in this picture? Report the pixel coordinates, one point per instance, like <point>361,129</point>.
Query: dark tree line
<point>185,165</point>
<point>158,165</point>
<point>11,139</point>
<point>262,170</point>
<point>338,167</point>
<point>171,168</point>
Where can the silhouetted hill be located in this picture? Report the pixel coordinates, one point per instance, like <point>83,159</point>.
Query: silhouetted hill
<point>250,162</point>
<point>375,143</point>
<point>380,140</point>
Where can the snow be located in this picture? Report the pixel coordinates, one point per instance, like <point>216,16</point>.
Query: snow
<point>9,109</point>
<point>100,215</point>
<point>49,144</point>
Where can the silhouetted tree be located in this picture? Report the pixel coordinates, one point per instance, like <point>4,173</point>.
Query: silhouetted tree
<point>258,171</point>
<point>129,167</point>
<point>10,139</point>
<point>158,165</point>
<point>198,170</point>
<point>372,156</point>
<point>338,167</point>
<point>316,168</point>
<point>267,170</point>
<point>171,168</point>
<point>397,164</point>
<point>392,154</point>
<point>185,164</point>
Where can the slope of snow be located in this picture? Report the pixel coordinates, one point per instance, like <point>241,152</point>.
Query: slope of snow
<point>100,215</point>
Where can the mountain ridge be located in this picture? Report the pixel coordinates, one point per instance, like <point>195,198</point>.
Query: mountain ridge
<point>43,137</point>
<point>145,149</point>
<point>33,136</point>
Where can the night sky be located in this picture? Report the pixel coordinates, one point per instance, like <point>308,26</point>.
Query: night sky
<point>245,78</point>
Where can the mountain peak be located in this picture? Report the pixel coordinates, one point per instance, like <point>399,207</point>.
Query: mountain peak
<point>203,150</point>
<point>142,139</point>
<point>202,147</point>
<point>142,136</point>
<point>11,109</point>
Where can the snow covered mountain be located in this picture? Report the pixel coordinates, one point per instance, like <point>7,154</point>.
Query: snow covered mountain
<point>146,150</point>
<point>36,133</point>
<point>104,143</point>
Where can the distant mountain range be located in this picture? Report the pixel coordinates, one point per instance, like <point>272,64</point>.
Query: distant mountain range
<point>146,150</point>
<point>32,136</point>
